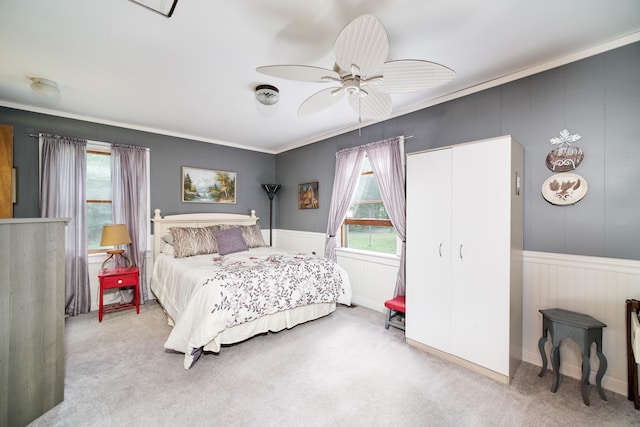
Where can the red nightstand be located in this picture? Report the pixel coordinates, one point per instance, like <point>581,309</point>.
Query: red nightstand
<point>120,277</point>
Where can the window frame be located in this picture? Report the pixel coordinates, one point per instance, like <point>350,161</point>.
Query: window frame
<point>373,222</point>
<point>101,148</point>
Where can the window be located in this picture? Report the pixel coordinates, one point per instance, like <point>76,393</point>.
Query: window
<point>99,210</point>
<point>367,226</point>
<point>99,193</point>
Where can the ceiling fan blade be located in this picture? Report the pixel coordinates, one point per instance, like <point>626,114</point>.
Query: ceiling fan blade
<point>376,105</point>
<point>320,100</point>
<point>412,75</point>
<point>362,43</point>
<point>303,73</point>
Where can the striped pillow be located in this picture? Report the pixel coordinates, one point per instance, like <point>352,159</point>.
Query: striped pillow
<point>253,236</point>
<point>189,241</point>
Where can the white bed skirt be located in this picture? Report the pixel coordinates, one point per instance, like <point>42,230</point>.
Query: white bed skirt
<point>270,323</point>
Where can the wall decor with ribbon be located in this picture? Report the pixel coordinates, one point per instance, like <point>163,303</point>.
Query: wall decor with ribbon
<point>564,188</point>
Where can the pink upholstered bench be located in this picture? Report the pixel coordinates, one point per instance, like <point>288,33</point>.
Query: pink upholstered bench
<point>395,310</point>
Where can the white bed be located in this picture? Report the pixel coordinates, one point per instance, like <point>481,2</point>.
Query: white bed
<point>205,318</point>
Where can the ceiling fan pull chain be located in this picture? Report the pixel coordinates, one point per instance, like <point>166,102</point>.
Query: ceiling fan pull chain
<point>359,116</point>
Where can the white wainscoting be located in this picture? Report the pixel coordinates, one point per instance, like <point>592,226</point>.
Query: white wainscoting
<point>373,277</point>
<point>595,286</point>
<point>300,241</point>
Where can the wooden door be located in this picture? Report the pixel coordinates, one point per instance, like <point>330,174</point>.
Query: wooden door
<point>428,296</point>
<point>6,171</point>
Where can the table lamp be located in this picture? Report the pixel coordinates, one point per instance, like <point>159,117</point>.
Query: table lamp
<point>114,235</point>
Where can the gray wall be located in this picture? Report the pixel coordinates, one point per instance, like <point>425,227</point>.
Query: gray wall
<point>598,97</point>
<point>167,156</point>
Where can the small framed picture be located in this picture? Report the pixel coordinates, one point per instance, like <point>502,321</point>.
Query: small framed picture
<point>208,186</point>
<point>308,195</point>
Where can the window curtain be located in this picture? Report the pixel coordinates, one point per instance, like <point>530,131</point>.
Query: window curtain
<point>385,158</point>
<point>129,172</point>
<point>63,195</point>
<point>348,164</point>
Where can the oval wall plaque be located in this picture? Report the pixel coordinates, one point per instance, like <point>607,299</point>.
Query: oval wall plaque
<point>564,159</point>
<point>564,189</point>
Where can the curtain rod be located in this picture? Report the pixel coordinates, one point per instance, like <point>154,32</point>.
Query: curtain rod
<point>35,135</point>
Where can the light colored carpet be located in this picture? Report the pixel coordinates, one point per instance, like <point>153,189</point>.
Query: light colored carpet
<point>342,370</point>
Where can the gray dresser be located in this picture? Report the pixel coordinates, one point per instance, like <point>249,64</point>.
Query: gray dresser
<point>32,301</point>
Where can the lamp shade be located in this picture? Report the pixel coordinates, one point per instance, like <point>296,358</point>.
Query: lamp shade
<point>114,235</point>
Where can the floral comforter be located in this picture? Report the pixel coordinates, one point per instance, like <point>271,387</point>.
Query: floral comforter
<point>219,292</point>
<point>265,285</point>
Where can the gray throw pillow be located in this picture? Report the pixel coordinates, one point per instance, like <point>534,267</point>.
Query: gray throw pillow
<point>230,241</point>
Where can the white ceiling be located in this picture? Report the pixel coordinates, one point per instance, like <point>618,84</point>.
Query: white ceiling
<point>193,75</point>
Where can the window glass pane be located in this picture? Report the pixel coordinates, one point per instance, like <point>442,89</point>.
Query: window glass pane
<point>367,202</point>
<point>371,238</point>
<point>98,176</point>
<point>98,214</point>
<point>367,205</point>
<point>366,166</point>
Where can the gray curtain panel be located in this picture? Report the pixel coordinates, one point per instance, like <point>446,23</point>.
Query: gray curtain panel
<point>385,158</point>
<point>348,164</point>
<point>63,194</point>
<point>129,202</point>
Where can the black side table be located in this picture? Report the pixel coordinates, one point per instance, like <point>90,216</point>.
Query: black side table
<point>583,330</point>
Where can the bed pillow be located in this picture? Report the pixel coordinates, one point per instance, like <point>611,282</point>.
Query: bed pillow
<point>167,249</point>
<point>168,238</point>
<point>230,241</point>
<point>253,236</point>
<point>189,241</point>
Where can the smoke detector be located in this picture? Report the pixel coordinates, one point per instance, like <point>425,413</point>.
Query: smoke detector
<point>267,94</point>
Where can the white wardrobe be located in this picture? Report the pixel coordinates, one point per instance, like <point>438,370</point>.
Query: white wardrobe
<point>464,254</point>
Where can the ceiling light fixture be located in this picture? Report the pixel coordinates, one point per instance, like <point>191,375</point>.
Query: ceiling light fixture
<point>267,94</point>
<point>163,7</point>
<point>44,86</point>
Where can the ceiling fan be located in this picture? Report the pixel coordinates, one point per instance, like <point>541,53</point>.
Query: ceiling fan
<point>362,74</point>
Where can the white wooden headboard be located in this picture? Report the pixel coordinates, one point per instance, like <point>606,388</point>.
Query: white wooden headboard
<point>162,225</point>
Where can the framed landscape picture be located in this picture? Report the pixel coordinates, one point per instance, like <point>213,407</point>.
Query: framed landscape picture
<point>208,186</point>
<point>308,197</point>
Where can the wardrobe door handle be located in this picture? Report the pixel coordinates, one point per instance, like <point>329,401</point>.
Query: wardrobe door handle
<point>440,250</point>
<point>460,252</point>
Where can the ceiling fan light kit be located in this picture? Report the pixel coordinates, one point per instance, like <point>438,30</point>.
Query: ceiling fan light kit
<point>267,94</point>
<point>361,50</point>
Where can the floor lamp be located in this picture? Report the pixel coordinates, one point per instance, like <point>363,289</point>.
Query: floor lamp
<point>271,190</point>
